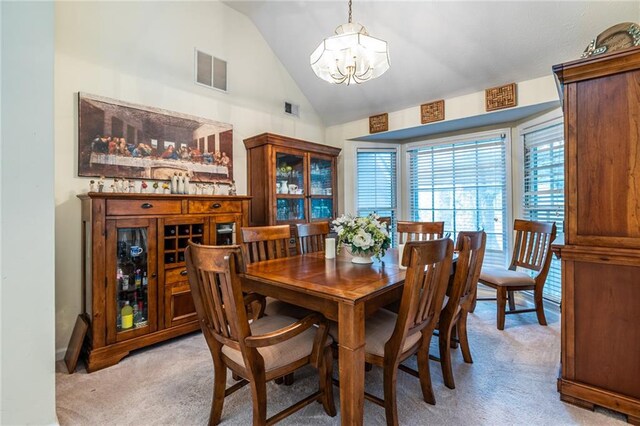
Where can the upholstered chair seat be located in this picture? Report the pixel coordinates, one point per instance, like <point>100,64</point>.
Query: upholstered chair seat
<point>505,277</point>
<point>280,354</point>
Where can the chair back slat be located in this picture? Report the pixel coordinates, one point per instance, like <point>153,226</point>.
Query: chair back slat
<point>265,242</point>
<point>311,236</point>
<point>428,267</point>
<point>419,231</point>
<point>532,244</point>
<point>217,293</point>
<point>477,246</point>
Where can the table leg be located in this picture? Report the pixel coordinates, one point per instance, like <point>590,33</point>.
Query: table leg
<point>351,361</point>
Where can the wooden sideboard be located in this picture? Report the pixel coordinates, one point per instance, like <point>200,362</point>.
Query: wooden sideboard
<point>601,252</point>
<point>133,254</point>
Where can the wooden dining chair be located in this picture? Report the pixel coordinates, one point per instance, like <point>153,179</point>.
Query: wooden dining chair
<point>268,348</point>
<point>262,243</point>
<point>419,231</point>
<point>532,251</point>
<point>392,338</point>
<point>460,296</point>
<point>311,236</point>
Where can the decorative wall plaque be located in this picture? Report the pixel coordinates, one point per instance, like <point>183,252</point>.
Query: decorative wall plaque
<point>500,97</point>
<point>618,37</point>
<point>433,111</point>
<point>379,123</point>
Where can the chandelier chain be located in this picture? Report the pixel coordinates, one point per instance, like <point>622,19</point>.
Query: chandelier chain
<point>350,11</point>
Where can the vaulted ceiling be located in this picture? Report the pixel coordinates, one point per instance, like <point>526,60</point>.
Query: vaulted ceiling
<point>437,49</point>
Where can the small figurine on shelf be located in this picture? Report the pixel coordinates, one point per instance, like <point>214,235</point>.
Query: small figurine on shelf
<point>116,185</point>
<point>124,185</point>
<point>216,188</point>
<point>174,183</point>
<point>113,188</point>
<point>143,187</point>
<point>180,188</point>
<point>92,185</point>
<point>166,189</point>
<point>156,187</point>
<point>101,184</point>
<point>187,184</point>
<point>132,187</point>
<point>232,188</point>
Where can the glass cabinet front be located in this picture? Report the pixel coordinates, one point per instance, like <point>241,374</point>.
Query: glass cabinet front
<point>321,176</point>
<point>289,174</point>
<point>132,279</point>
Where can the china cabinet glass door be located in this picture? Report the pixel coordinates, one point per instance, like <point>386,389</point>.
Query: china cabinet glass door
<point>321,175</point>
<point>131,278</point>
<point>290,187</point>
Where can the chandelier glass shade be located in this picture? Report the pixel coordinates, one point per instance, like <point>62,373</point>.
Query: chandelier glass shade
<point>350,56</point>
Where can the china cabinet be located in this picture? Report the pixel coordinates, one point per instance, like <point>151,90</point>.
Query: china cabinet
<point>135,287</point>
<point>601,252</point>
<point>291,181</point>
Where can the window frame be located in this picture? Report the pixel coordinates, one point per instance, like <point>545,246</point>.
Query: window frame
<point>543,121</point>
<point>399,173</point>
<point>460,138</point>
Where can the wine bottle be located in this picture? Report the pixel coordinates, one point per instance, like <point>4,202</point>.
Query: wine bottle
<point>138,278</point>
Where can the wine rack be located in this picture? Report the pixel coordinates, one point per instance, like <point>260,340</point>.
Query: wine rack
<point>176,240</point>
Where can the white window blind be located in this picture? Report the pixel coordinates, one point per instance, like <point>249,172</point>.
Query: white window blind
<point>463,184</point>
<point>544,188</point>
<point>377,183</point>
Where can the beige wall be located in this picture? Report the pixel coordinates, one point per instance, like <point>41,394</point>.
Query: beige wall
<point>530,92</point>
<point>114,49</point>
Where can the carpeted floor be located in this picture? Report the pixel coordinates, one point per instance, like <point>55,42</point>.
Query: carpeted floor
<point>512,381</point>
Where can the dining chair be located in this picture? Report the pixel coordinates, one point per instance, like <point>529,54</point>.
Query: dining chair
<point>460,296</point>
<point>419,231</point>
<point>392,338</point>
<point>267,348</point>
<point>311,236</point>
<point>262,243</point>
<point>531,251</point>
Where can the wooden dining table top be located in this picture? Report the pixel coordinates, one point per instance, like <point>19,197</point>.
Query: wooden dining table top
<point>337,279</point>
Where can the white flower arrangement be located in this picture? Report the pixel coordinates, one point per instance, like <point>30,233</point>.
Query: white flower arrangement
<point>365,236</point>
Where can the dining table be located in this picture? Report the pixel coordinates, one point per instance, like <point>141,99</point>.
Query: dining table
<point>342,291</point>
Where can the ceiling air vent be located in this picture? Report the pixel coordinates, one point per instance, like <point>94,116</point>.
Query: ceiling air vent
<point>210,71</point>
<point>291,109</point>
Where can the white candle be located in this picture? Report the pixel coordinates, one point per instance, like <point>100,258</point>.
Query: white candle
<point>330,248</point>
<point>400,253</point>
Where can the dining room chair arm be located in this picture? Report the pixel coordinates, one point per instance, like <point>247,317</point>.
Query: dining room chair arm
<point>285,333</point>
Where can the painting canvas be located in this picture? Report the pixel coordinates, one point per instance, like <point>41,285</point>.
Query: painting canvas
<point>118,139</point>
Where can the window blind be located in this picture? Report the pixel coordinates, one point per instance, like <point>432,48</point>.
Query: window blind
<point>463,184</point>
<point>377,183</point>
<point>544,189</point>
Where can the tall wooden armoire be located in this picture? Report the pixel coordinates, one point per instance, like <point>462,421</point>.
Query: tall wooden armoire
<point>601,252</point>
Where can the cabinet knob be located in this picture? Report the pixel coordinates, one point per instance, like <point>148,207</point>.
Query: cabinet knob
<point>154,275</point>
<point>215,205</point>
<point>146,205</point>
<point>183,273</point>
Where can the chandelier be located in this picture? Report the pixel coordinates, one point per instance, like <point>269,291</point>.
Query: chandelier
<point>350,56</point>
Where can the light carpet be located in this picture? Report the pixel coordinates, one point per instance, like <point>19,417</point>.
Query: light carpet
<point>512,381</point>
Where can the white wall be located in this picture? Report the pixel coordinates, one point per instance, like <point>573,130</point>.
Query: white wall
<point>27,205</point>
<point>143,52</point>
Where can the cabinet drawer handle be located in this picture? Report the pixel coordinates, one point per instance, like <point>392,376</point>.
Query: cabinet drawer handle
<point>146,205</point>
<point>216,205</point>
<point>183,273</point>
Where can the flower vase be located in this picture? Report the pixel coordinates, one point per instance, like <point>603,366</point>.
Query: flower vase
<point>365,258</point>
